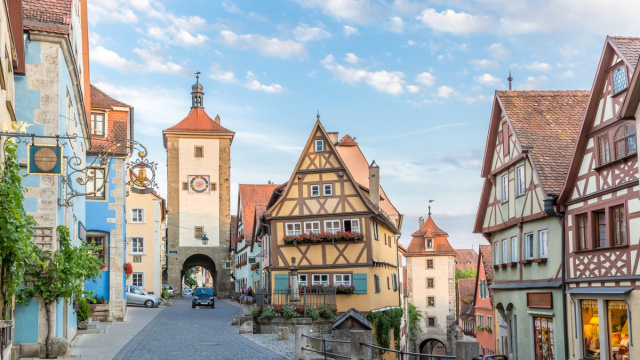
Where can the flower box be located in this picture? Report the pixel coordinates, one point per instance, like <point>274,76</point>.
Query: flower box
<point>255,266</point>
<point>311,238</point>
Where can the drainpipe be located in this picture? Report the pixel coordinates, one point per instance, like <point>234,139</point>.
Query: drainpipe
<point>549,210</point>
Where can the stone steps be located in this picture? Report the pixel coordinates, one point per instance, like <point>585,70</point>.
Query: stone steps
<point>94,327</point>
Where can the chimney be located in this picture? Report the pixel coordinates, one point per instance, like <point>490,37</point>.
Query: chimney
<point>420,222</point>
<point>374,183</point>
<point>333,137</point>
<point>218,119</point>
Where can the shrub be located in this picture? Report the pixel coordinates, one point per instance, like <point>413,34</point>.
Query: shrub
<point>287,312</point>
<point>257,312</point>
<point>326,312</point>
<point>312,313</point>
<point>267,313</point>
<point>84,309</point>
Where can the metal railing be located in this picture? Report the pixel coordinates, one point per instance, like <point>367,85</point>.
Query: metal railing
<point>315,297</point>
<point>404,354</point>
<point>324,347</point>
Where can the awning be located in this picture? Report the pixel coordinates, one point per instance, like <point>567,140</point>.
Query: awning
<point>601,291</point>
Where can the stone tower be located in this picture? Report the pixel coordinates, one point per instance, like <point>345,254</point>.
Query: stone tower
<point>198,173</point>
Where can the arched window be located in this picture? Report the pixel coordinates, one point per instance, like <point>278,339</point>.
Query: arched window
<point>625,140</point>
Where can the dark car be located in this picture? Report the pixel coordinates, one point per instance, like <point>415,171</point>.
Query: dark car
<point>203,297</point>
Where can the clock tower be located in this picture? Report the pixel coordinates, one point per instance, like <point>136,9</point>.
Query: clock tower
<point>198,172</point>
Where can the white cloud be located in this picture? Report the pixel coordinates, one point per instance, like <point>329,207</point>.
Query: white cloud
<point>267,46</point>
<point>351,58</point>
<point>489,80</point>
<point>396,24</point>
<point>305,33</point>
<point>426,79</point>
<point>483,64</point>
<point>111,59</point>
<point>254,84</point>
<point>383,81</point>
<point>499,51</point>
<point>445,91</point>
<point>358,11</point>
<point>533,83</point>
<point>349,30</point>
<point>452,22</point>
<point>217,74</point>
<point>410,42</point>
<point>568,74</point>
<point>412,89</point>
<point>538,66</point>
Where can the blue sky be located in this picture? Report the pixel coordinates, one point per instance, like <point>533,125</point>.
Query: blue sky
<point>411,80</point>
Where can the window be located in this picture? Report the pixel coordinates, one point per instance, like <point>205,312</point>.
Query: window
<point>98,241</point>
<point>320,279</point>
<point>617,329</point>
<point>431,322</point>
<point>625,140</point>
<point>198,232</point>
<point>496,253</point>
<point>388,284</point>
<point>481,320</point>
<point>342,279</point>
<point>319,146</point>
<point>431,301</point>
<point>95,187</point>
<point>137,279</point>
<point>429,243</point>
<point>528,246</point>
<point>543,238</point>
<point>482,288</point>
<point>603,149</point>
<point>504,251</point>
<point>619,79</point>
<point>375,230</point>
<point>376,282</point>
<point>543,337</point>
<point>352,225</point>
<point>185,186</point>
<point>332,226</point>
<point>198,151</point>
<point>429,283</point>
<point>97,124</point>
<point>312,227</point>
<point>302,279</point>
<point>601,229</point>
<point>137,215</point>
<point>583,231</point>
<point>315,190</point>
<point>489,321</point>
<point>514,249</point>
<point>520,180</point>
<point>137,245</point>
<point>429,263</point>
<point>394,281</point>
<point>505,188</point>
<point>293,229</point>
<point>619,226</point>
<point>327,190</point>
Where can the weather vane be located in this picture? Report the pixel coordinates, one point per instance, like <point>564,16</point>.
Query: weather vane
<point>430,201</point>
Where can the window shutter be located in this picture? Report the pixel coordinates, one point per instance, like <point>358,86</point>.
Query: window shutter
<point>360,283</point>
<point>282,283</point>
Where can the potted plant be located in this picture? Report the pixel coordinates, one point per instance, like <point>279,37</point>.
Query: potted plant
<point>128,269</point>
<point>166,296</point>
<point>84,311</point>
<point>247,306</point>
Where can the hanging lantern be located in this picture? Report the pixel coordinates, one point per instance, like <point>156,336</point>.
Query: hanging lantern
<point>205,239</point>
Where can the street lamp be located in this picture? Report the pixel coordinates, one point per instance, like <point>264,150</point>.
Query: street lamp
<point>204,239</point>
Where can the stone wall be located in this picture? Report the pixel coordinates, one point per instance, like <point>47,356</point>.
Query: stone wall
<point>116,252</point>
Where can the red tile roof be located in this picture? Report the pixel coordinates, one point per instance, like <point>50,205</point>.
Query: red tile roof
<point>429,229</point>
<point>347,141</point>
<point>466,293</point>
<point>47,15</point>
<point>487,263</point>
<point>629,46</point>
<point>198,121</point>
<point>250,196</point>
<point>546,124</point>
<point>101,100</point>
<point>118,126</point>
<point>466,259</point>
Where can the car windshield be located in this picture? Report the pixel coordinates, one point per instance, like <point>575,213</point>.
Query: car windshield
<point>204,291</point>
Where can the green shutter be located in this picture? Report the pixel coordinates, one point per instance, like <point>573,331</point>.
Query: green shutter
<point>360,283</point>
<point>282,282</point>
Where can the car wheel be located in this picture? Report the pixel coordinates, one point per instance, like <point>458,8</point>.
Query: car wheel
<point>213,305</point>
<point>148,303</point>
<point>193,306</point>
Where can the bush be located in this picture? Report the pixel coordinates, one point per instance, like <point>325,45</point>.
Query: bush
<point>267,313</point>
<point>313,313</point>
<point>327,312</point>
<point>257,312</point>
<point>165,293</point>
<point>84,309</point>
<point>287,312</point>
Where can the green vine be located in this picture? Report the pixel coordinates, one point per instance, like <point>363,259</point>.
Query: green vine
<point>383,322</point>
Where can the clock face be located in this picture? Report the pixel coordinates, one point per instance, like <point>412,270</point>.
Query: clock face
<point>199,184</point>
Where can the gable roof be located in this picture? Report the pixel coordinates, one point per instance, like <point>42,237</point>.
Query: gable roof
<point>429,229</point>
<point>99,99</point>
<point>250,196</point>
<point>466,259</point>
<point>119,127</point>
<point>198,121</point>
<point>486,261</point>
<point>47,15</point>
<point>629,48</point>
<point>260,210</point>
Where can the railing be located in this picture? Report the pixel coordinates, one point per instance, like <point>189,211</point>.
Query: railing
<point>404,354</point>
<point>326,296</point>
<point>324,347</point>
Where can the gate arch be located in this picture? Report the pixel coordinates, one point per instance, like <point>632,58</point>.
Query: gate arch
<point>433,347</point>
<point>204,261</point>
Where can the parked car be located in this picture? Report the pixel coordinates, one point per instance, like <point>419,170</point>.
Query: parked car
<point>493,357</point>
<point>187,292</point>
<point>203,297</point>
<point>169,289</point>
<point>137,296</point>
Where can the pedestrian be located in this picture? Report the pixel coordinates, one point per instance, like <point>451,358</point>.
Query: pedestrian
<point>250,294</point>
<point>243,294</point>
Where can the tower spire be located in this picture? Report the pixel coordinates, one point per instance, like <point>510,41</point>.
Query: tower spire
<point>430,201</point>
<point>196,93</point>
<point>510,78</point>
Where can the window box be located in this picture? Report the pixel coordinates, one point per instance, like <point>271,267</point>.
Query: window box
<point>525,262</point>
<point>496,266</point>
<point>344,289</point>
<point>503,265</point>
<point>324,237</point>
<point>513,264</point>
<point>255,266</point>
<point>541,260</point>
<point>241,263</point>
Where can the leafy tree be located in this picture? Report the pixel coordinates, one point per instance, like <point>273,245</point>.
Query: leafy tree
<point>415,316</point>
<point>59,274</point>
<point>466,274</point>
<point>16,230</point>
<point>188,277</point>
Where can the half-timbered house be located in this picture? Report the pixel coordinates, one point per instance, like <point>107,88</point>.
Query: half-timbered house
<point>602,211</point>
<point>531,135</point>
<point>337,222</point>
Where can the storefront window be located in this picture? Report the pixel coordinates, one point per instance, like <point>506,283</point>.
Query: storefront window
<point>591,330</point>
<point>543,337</point>
<point>618,330</point>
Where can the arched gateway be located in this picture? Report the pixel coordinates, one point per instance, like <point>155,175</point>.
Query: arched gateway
<point>198,172</point>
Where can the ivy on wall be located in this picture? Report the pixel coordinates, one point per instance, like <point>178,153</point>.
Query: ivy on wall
<point>383,322</point>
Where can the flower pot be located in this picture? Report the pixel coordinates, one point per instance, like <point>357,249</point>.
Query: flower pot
<point>83,325</point>
<point>248,308</point>
<point>168,302</point>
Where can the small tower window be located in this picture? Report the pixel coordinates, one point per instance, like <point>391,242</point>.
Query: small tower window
<point>199,151</point>
<point>319,146</point>
<point>619,79</point>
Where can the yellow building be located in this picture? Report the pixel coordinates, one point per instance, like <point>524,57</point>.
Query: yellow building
<point>145,232</point>
<point>338,223</point>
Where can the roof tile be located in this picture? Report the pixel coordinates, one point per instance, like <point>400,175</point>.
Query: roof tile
<point>630,47</point>
<point>441,244</point>
<point>198,121</point>
<point>251,196</point>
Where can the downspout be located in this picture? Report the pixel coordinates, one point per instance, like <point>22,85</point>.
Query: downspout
<point>549,203</point>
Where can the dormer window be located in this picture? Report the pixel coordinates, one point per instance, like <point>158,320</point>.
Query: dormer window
<point>319,146</point>
<point>619,79</point>
<point>428,244</point>
<point>625,140</point>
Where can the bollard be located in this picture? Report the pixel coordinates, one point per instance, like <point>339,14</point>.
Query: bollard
<point>359,352</point>
<point>301,341</point>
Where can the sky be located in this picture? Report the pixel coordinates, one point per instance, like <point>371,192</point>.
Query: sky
<point>412,81</point>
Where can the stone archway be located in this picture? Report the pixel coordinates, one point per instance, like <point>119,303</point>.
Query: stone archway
<point>203,261</point>
<point>433,347</point>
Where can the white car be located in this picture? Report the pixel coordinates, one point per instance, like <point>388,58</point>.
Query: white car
<point>187,292</point>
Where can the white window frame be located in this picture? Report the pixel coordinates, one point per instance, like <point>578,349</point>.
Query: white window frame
<point>496,252</point>
<point>543,242</point>
<point>329,226</point>
<point>316,279</point>
<point>327,189</point>
<point>428,243</point>
<point>375,230</point>
<point>342,279</point>
<point>314,190</point>
<point>434,301</point>
<point>490,322</point>
<point>514,249</point>
<point>318,146</point>
<point>504,252</point>
<point>92,186</point>
<point>135,219</point>
<point>354,228</point>
<point>293,228</point>
<point>311,227</point>
<point>136,250</point>
<point>133,279</point>
<point>520,181</point>
<point>303,282</point>
<point>480,320</point>
<point>528,246</point>
<point>505,188</point>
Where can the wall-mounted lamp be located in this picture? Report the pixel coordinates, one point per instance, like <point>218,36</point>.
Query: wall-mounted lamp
<point>205,239</point>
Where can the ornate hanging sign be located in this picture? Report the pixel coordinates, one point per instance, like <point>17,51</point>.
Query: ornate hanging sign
<point>45,160</point>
